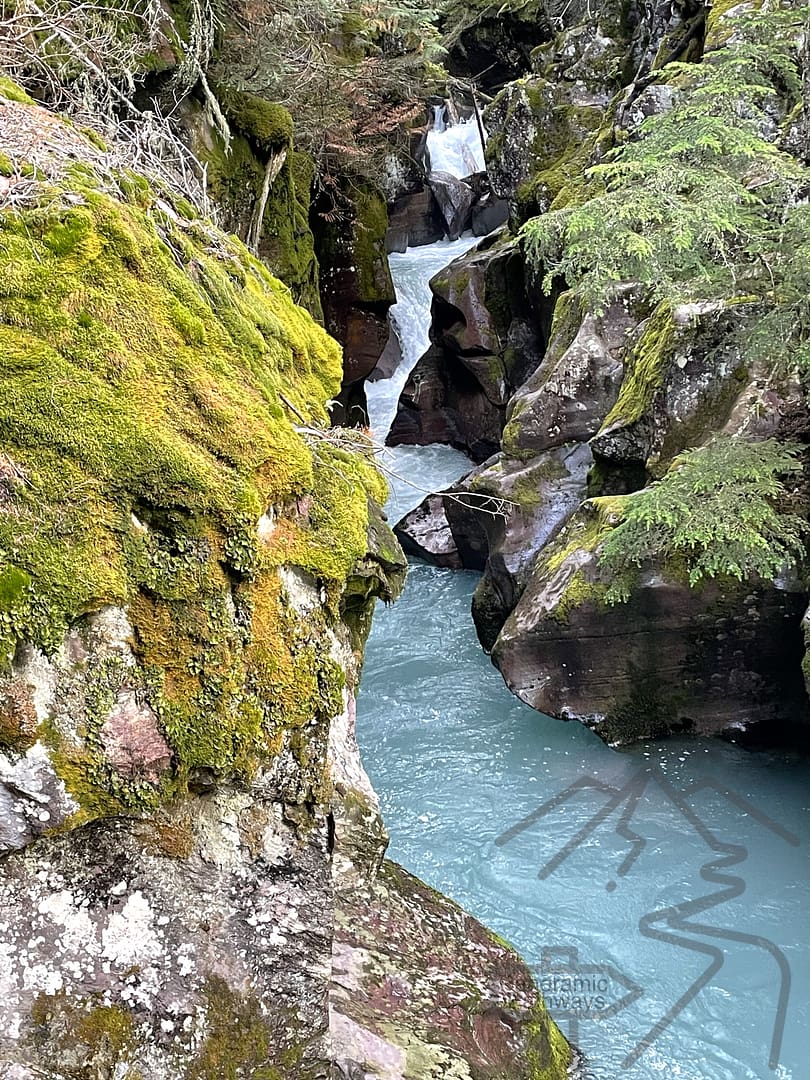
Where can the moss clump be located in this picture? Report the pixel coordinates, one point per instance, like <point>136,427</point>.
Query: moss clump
<point>12,91</point>
<point>82,1039</point>
<point>645,368</point>
<point>577,592</point>
<point>145,360</point>
<point>239,1040</point>
<point>645,713</point>
<point>569,557</point>
<point>265,124</point>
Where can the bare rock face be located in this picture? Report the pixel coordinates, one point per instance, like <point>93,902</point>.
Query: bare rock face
<point>725,659</point>
<point>454,198</point>
<point>356,292</point>
<point>387,1018</point>
<point>414,220</point>
<point>425,533</point>
<point>575,386</point>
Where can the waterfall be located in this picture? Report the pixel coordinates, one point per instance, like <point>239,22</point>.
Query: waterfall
<point>418,469</point>
<point>438,124</point>
<point>454,148</point>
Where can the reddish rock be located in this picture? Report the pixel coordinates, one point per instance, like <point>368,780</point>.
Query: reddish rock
<point>489,330</point>
<point>725,658</point>
<point>132,740</point>
<point>414,219</point>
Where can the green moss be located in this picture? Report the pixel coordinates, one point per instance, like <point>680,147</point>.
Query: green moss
<point>563,149</point>
<point>12,91</point>
<point>363,252</point>
<point>101,1039</point>
<point>549,1054</point>
<point>644,713</point>
<point>715,31</point>
<point>265,124</point>
<point>583,532</point>
<point>93,136</point>
<point>239,1042</point>
<point>236,179</point>
<point>370,226</point>
<point>646,366</point>
<point>578,591</point>
<point>145,436</point>
<point>526,488</point>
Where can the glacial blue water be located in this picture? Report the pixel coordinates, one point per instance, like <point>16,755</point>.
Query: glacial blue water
<point>458,761</point>
<point>660,894</point>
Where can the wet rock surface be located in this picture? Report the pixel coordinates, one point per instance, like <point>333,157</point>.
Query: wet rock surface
<point>454,198</point>
<point>489,328</point>
<point>721,660</point>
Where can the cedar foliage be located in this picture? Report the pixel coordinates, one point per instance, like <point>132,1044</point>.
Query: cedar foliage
<point>714,511</point>
<point>701,202</point>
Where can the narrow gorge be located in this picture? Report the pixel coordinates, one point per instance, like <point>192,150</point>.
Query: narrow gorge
<point>404,424</point>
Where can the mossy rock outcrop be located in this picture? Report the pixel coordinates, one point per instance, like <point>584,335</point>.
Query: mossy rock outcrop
<point>722,659</point>
<point>189,559</point>
<point>151,463</point>
<point>261,185</point>
<point>356,288</point>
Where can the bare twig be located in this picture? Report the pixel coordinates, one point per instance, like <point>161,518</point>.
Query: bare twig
<point>357,440</point>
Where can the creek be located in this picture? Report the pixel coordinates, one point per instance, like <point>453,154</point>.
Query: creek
<point>660,895</point>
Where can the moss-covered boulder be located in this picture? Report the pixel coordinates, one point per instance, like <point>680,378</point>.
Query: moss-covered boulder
<point>542,136</point>
<point>153,376</point>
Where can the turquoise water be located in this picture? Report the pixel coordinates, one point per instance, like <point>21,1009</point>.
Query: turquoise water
<point>458,761</point>
<point>661,894</point>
